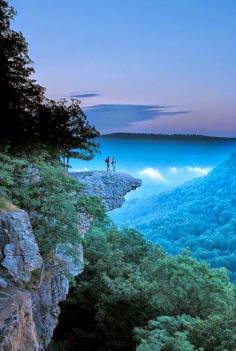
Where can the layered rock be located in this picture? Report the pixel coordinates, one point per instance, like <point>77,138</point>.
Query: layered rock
<point>110,187</point>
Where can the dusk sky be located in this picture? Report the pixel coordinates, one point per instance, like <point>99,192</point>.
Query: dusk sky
<point>160,66</point>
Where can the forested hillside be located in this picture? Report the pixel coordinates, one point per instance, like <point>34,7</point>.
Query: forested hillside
<point>133,296</point>
<point>200,215</point>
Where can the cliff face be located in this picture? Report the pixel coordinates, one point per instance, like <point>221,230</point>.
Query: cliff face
<point>110,187</point>
<point>19,258</point>
<point>30,289</point>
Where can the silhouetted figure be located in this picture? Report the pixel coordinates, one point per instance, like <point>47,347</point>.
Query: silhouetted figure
<point>107,160</point>
<point>113,162</point>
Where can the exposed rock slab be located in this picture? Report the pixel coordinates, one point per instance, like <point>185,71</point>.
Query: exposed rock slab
<point>45,299</point>
<point>17,327</point>
<point>67,253</point>
<point>19,250</point>
<point>110,187</point>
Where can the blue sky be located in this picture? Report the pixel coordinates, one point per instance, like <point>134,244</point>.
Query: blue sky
<point>128,54</point>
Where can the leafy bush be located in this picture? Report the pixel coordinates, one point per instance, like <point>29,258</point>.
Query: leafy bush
<point>93,206</point>
<point>127,282</point>
<point>184,333</point>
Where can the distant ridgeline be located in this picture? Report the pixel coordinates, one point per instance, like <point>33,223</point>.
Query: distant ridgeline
<point>200,215</point>
<point>183,137</point>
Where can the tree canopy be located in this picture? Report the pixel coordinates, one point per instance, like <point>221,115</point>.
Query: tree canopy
<point>132,295</point>
<point>26,115</point>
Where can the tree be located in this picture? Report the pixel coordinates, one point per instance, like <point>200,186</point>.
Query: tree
<point>128,282</point>
<point>27,116</point>
<point>20,95</point>
<point>65,127</point>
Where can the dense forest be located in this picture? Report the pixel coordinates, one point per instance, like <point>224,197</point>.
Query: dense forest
<point>132,295</point>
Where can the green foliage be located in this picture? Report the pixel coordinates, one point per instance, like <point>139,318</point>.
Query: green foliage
<point>166,334</point>
<point>127,282</point>
<point>48,194</point>
<point>65,126</point>
<point>93,206</point>
<point>27,116</point>
<point>53,201</point>
<point>200,215</point>
<point>183,333</point>
<point>20,96</point>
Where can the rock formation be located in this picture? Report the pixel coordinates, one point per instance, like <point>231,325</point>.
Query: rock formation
<point>19,257</point>
<point>17,326</point>
<point>20,252</point>
<point>110,187</point>
<point>30,289</point>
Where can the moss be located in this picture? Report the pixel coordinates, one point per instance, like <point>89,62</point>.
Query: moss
<point>6,205</point>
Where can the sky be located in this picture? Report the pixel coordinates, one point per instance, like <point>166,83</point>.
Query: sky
<point>159,66</point>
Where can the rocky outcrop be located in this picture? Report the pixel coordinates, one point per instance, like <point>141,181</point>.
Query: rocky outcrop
<point>46,296</point>
<point>30,289</point>
<point>19,257</point>
<point>18,247</point>
<point>17,326</point>
<point>110,187</point>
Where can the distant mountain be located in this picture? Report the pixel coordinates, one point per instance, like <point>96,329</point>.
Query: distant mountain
<point>199,215</point>
<point>143,136</point>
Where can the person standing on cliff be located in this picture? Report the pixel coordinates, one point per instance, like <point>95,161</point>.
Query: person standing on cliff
<point>107,160</point>
<point>113,162</point>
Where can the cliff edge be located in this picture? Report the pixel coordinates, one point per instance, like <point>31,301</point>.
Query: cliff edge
<point>110,187</point>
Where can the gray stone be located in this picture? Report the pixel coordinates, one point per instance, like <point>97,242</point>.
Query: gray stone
<point>18,245</point>
<point>73,261</point>
<point>85,222</point>
<point>53,289</point>
<point>110,187</point>
<point>3,283</point>
<point>73,257</point>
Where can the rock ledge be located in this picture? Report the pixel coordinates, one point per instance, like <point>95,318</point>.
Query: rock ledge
<point>110,187</point>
